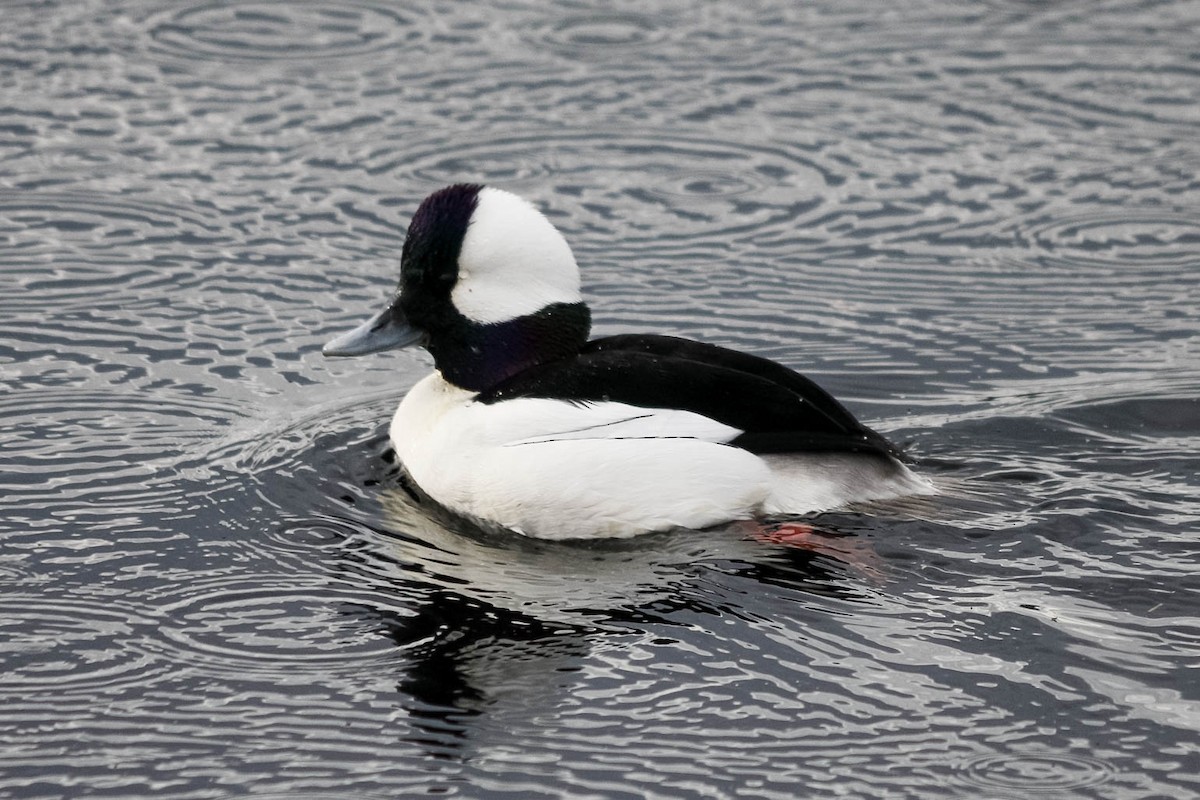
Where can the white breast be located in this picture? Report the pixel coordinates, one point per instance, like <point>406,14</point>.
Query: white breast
<point>558,470</point>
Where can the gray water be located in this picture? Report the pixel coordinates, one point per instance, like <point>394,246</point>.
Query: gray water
<point>977,224</point>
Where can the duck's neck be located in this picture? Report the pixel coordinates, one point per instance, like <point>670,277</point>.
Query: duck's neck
<point>478,356</point>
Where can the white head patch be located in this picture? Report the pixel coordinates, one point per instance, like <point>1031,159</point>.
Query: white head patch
<point>513,261</point>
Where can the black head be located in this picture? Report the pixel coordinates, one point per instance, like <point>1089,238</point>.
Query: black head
<point>487,285</point>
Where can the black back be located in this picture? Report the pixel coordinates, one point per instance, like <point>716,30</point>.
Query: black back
<point>777,409</point>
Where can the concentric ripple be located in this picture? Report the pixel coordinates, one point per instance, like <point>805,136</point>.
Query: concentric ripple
<point>80,247</point>
<point>662,188</point>
<point>112,220</point>
<point>75,644</point>
<point>1036,772</point>
<point>122,445</point>
<point>301,473</point>
<point>602,33</point>
<point>1132,238</point>
<point>305,537</point>
<point>297,32</point>
<point>282,447</point>
<point>289,626</point>
<point>701,184</point>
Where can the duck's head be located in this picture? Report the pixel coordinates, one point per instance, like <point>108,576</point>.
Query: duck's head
<point>487,285</point>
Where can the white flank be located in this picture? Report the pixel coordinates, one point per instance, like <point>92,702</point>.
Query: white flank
<point>558,470</point>
<point>803,483</point>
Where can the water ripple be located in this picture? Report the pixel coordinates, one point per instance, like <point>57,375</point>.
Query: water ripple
<point>297,32</point>
<point>125,447</point>
<point>242,623</point>
<point>71,248</point>
<point>692,189</point>
<point>974,223</point>
<point>78,645</point>
<point>1036,772</point>
<point>601,33</point>
<point>1131,239</point>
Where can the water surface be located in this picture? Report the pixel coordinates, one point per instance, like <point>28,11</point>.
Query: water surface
<point>978,225</point>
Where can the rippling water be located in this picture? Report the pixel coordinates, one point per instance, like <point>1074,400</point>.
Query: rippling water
<point>978,224</point>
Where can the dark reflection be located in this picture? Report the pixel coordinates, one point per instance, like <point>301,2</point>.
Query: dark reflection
<point>500,621</point>
<point>464,656</point>
<point>492,624</point>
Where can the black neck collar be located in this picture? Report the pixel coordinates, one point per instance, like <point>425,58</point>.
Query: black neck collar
<point>478,356</point>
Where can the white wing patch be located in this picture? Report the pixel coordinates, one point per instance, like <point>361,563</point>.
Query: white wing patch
<point>614,421</point>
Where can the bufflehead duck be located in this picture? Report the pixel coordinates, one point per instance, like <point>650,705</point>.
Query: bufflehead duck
<point>525,424</point>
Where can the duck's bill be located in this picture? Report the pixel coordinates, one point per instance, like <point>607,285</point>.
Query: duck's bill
<point>384,331</point>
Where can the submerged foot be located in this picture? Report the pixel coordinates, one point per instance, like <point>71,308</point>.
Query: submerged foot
<point>851,551</point>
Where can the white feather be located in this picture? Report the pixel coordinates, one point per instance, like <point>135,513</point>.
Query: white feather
<point>513,261</point>
<point>559,470</point>
<point>807,482</point>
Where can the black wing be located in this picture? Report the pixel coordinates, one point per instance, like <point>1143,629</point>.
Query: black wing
<point>777,410</point>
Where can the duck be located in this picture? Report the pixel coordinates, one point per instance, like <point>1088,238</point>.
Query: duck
<point>527,424</point>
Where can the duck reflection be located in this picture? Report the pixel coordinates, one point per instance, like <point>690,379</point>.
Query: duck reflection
<point>464,658</point>
<point>504,622</point>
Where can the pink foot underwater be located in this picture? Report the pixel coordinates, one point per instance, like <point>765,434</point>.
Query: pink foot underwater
<point>848,550</point>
